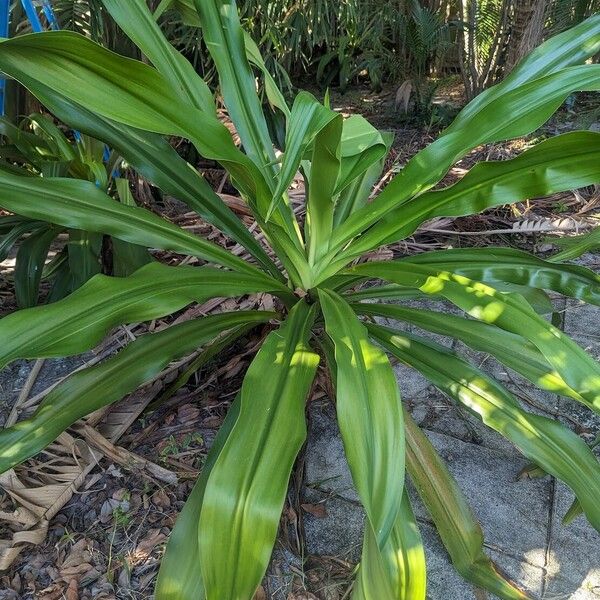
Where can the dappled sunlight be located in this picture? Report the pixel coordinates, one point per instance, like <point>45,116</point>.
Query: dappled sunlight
<point>556,568</point>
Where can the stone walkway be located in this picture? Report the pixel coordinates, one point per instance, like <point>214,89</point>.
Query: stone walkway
<point>521,519</point>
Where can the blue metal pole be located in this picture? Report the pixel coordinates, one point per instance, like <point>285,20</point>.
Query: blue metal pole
<point>50,16</point>
<point>32,15</point>
<point>4,19</point>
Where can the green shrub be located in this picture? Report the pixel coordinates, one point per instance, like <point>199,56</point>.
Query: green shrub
<point>38,148</point>
<point>222,541</point>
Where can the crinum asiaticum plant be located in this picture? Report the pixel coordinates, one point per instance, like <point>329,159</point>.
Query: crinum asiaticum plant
<point>222,541</point>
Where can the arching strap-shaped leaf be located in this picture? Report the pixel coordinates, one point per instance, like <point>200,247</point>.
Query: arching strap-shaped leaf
<point>398,571</point>
<point>571,47</point>
<point>545,441</point>
<point>357,192</point>
<point>362,146</point>
<point>324,173</point>
<point>370,418</point>
<point>156,160</point>
<point>500,265</point>
<point>274,94</point>
<point>537,299</point>
<point>454,520</point>
<point>127,91</point>
<point>516,113</point>
<point>189,15</point>
<point>138,23</point>
<point>29,265</point>
<point>532,92</point>
<point>507,311</point>
<point>576,246</point>
<point>246,488</point>
<point>564,162</point>
<point>82,205</point>
<point>78,322</point>
<point>179,576</point>
<point>105,383</point>
<point>307,118</point>
<point>223,36</point>
<point>185,8</point>
<point>410,559</point>
<point>510,349</point>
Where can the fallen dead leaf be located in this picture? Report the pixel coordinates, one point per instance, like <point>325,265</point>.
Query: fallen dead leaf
<point>260,594</point>
<point>316,510</point>
<point>72,592</point>
<point>188,413</point>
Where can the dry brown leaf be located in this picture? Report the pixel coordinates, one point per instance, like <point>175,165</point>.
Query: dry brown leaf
<point>188,413</point>
<point>260,594</point>
<point>152,539</point>
<point>319,511</point>
<point>72,592</point>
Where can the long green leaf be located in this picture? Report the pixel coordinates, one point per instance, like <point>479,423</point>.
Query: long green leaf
<point>561,163</point>
<point>136,20</point>
<point>324,173</point>
<point>515,113</point>
<point>370,418</point>
<point>82,205</point>
<point>224,39</point>
<point>126,91</point>
<point>247,485</point>
<point>500,265</point>
<point>29,265</point>
<point>574,247</point>
<point>455,522</point>
<point>156,160</point>
<point>179,576</point>
<point>545,441</point>
<point>507,311</point>
<point>105,383</point>
<point>307,118</point>
<point>79,322</point>
<point>84,250</point>
<point>398,571</point>
<point>510,349</point>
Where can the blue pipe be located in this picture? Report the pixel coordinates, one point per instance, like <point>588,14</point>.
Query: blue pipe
<point>4,19</point>
<point>34,19</point>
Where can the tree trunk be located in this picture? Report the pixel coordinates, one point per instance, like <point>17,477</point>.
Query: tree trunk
<point>527,31</point>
